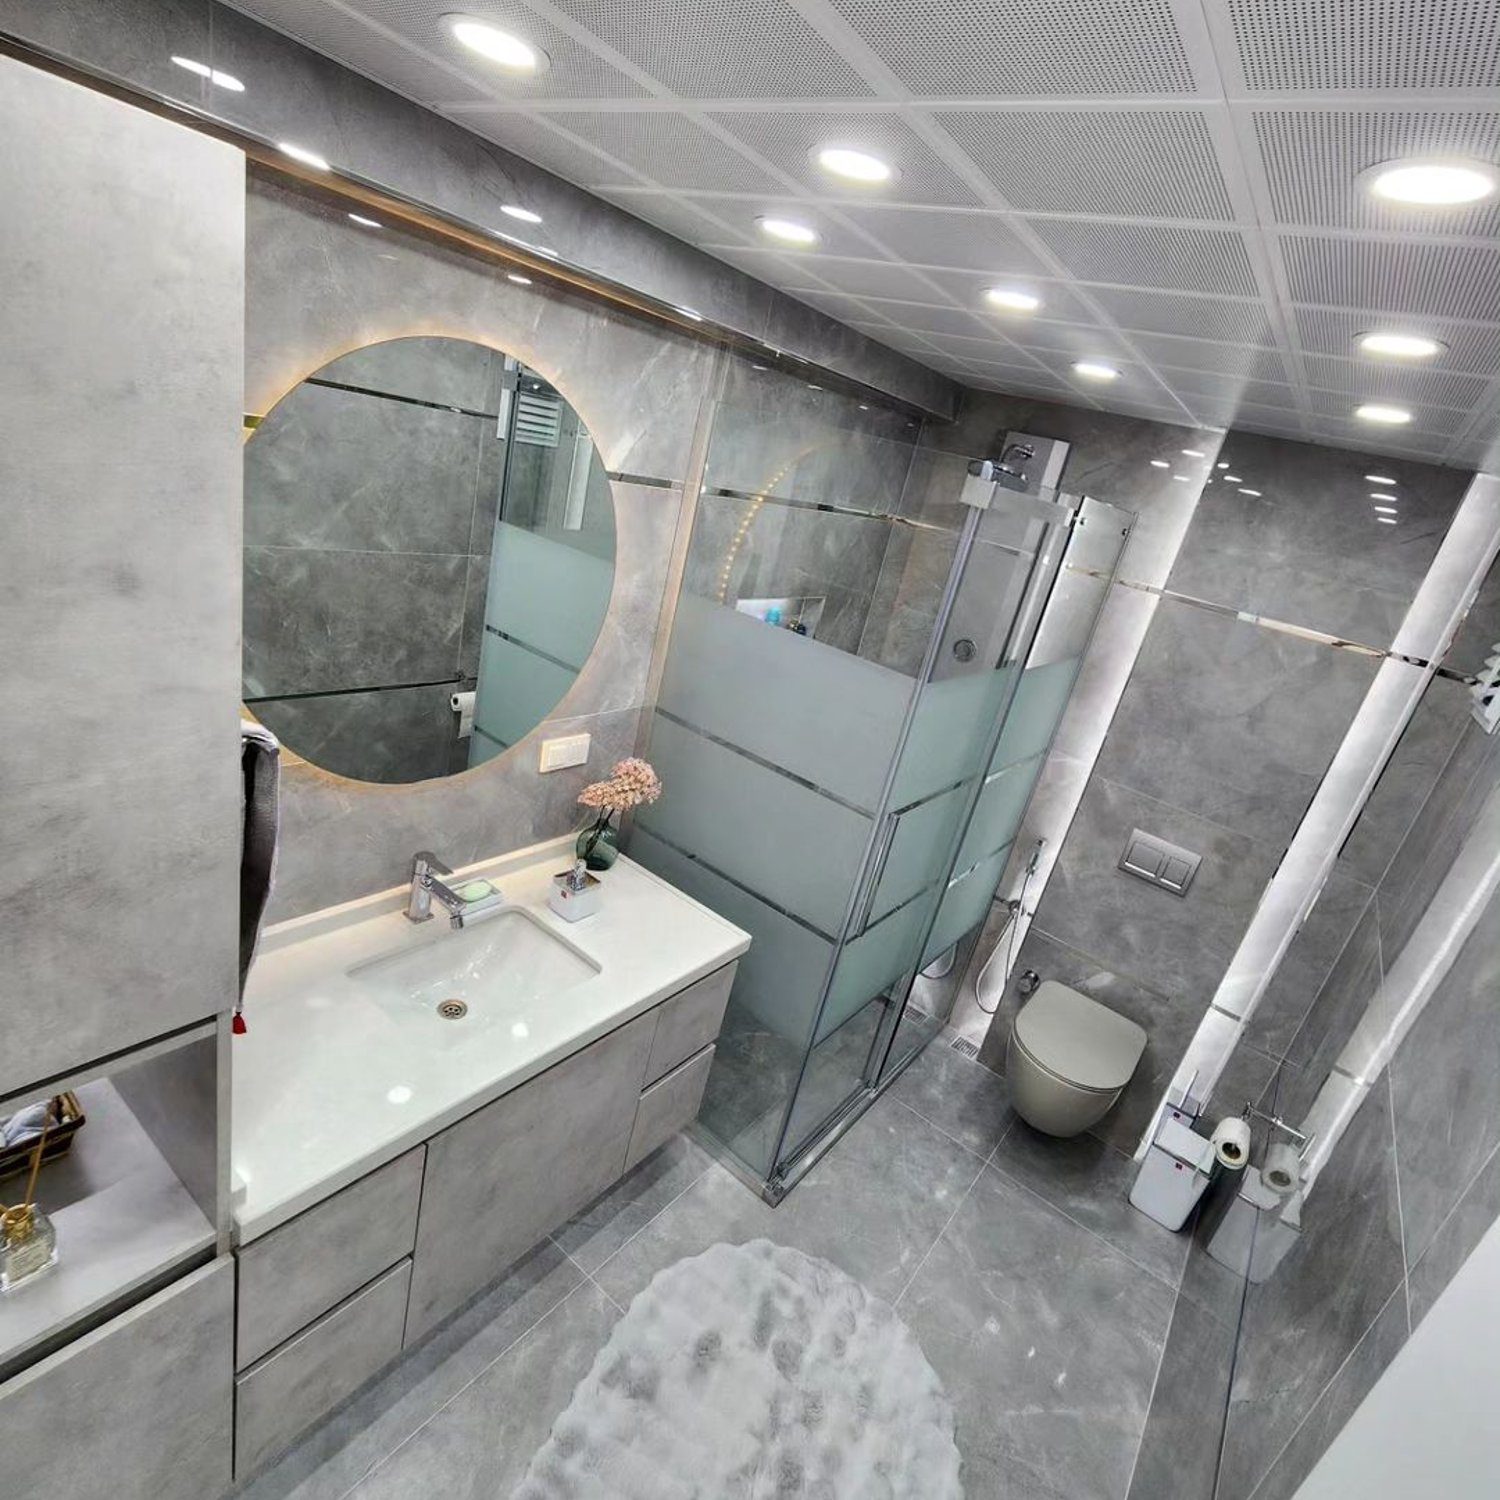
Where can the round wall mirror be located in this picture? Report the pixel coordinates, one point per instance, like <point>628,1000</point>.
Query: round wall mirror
<point>429,553</point>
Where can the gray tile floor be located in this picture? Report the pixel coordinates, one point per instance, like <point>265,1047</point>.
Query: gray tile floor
<point>1040,1297</point>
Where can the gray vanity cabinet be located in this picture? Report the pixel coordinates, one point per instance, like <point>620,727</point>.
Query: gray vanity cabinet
<point>138,1409</point>
<point>505,1177</point>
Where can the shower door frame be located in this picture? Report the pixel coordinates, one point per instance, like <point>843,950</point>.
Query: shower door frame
<point>1059,513</point>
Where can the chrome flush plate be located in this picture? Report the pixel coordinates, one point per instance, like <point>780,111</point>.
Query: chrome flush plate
<point>1159,863</point>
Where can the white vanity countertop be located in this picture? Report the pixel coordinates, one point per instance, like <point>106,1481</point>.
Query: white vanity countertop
<point>329,1083</point>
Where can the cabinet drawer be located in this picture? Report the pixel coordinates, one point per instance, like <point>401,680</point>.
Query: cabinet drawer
<point>689,1021</point>
<point>668,1105</point>
<point>311,1263</point>
<point>295,1385</point>
<point>505,1177</point>
<point>138,1409</point>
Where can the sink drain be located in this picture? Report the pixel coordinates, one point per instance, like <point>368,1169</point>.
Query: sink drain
<point>452,1010</point>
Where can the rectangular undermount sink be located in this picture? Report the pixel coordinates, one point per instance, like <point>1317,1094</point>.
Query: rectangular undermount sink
<point>468,980</point>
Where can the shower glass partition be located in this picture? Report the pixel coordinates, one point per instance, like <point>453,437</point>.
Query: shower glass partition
<point>848,740</point>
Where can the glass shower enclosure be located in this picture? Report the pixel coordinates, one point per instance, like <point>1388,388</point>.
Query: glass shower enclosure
<point>857,700</point>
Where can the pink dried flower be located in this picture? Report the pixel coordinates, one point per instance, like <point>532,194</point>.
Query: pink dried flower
<point>632,783</point>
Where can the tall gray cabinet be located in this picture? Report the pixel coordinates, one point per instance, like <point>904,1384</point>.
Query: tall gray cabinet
<point>120,392</point>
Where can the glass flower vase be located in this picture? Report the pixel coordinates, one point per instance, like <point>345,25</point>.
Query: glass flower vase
<point>598,845</point>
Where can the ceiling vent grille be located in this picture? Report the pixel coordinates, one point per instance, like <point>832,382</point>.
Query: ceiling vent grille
<point>1454,281</point>
<point>1313,159</point>
<point>1155,163</point>
<point>1072,48</point>
<point>538,419</point>
<point>1198,260</point>
<point>722,49</point>
<point>1312,46</point>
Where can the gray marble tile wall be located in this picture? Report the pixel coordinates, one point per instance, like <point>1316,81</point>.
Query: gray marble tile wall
<point>1222,736</point>
<point>294,94</point>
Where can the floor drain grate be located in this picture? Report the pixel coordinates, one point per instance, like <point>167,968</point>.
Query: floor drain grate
<point>452,1010</point>
<point>964,1045</point>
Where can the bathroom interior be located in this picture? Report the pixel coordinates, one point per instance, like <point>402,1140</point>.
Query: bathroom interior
<point>749,750</point>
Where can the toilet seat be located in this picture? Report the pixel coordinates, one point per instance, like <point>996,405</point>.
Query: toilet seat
<point>1077,1041</point>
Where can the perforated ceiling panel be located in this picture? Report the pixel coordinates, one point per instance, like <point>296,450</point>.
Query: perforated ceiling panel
<point>1197,260</point>
<point>1455,281</point>
<point>722,49</point>
<point>788,141</point>
<point>959,241</point>
<point>1062,47</point>
<point>1176,181</point>
<point>1313,46</point>
<point>1313,158</point>
<point>1156,163</point>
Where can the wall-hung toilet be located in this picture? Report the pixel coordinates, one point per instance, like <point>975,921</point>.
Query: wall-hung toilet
<point>1069,1059</point>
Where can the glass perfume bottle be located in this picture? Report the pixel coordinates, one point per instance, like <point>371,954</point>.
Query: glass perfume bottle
<point>28,1245</point>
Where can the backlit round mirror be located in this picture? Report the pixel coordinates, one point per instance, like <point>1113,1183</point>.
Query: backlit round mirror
<point>429,553</point>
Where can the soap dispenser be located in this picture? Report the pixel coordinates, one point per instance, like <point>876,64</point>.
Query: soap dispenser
<point>575,893</point>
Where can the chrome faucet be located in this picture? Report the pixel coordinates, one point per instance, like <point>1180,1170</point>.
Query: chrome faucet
<point>427,887</point>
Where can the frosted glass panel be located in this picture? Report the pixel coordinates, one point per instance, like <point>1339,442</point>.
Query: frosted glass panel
<point>547,593</point>
<point>998,813</point>
<point>758,827</point>
<point>824,715</point>
<point>949,730</point>
<point>1040,700</point>
<point>516,690</point>
<point>923,836</point>
<point>872,963</point>
<point>965,904</point>
<point>783,970</point>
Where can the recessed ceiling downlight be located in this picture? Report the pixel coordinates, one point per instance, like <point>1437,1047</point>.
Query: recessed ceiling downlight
<point>1012,299</point>
<point>853,165</point>
<point>787,231</point>
<point>1385,416</point>
<point>503,48</point>
<point>1093,369</point>
<point>1432,182</point>
<point>1399,345</point>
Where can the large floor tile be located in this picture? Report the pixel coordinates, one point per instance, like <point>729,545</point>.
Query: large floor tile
<point>593,1235</point>
<point>963,1099</point>
<point>1047,1340</point>
<point>873,1206</point>
<point>355,1438</point>
<point>478,1446</point>
<point>1179,1452</point>
<point>1090,1182</point>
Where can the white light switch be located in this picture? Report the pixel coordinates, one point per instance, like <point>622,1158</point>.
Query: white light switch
<point>569,750</point>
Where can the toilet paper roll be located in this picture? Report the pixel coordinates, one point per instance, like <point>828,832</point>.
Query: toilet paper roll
<point>463,705</point>
<point>1231,1141</point>
<point>1282,1171</point>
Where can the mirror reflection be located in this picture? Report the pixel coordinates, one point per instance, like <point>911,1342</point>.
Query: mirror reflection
<point>429,553</point>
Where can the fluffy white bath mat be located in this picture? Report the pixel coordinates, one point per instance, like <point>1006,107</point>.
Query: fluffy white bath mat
<point>753,1372</point>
